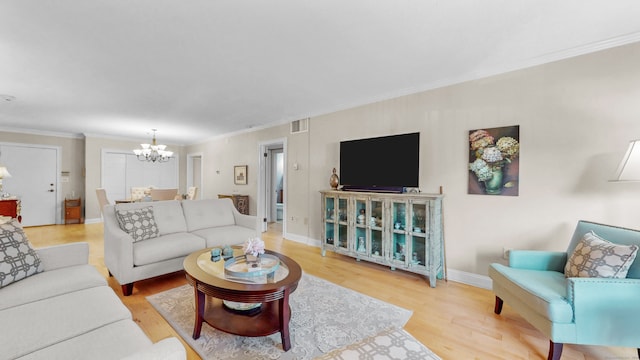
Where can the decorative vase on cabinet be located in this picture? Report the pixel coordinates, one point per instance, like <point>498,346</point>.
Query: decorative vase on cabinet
<point>402,231</point>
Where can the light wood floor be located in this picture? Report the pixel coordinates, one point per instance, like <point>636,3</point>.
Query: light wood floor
<point>454,320</point>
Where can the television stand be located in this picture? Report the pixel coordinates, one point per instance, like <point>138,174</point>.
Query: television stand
<point>402,231</point>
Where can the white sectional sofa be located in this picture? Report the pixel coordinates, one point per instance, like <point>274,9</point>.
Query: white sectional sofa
<point>67,311</point>
<point>148,239</point>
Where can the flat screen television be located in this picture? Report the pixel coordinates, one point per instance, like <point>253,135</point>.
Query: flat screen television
<point>385,164</point>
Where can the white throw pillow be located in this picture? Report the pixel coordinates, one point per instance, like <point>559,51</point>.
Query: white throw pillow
<point>18,259</point>
<point>597,257</point>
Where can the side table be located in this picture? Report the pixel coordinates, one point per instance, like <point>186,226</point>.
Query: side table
<point>73,211</point>
<point>11,207</point>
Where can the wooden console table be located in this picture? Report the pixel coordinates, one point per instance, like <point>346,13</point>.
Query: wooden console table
<point>241,202</point>
<point>10,207</point>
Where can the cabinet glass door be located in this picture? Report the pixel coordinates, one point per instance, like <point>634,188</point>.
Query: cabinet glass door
<point>375,227</point>
<point>329,221</point>
<point>360,228</point>
<point>399,232</point>
<point>419,232</point>
<point>341,218</point>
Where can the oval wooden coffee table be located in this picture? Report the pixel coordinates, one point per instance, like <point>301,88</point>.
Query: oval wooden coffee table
<point>211,286</point>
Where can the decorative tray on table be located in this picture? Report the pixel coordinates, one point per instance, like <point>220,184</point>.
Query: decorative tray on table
<point>239,266</point>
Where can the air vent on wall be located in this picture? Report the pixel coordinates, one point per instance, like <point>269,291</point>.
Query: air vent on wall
<point>300,126</point>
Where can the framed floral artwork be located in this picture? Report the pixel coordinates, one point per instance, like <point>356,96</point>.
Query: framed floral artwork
<point>494,163</point>
<point>240,175</point>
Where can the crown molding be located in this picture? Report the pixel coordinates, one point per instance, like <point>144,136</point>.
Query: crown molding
<point>41,132</point>
<point>488,72</point>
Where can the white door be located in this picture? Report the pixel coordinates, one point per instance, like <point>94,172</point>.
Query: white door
<point>34,179</point>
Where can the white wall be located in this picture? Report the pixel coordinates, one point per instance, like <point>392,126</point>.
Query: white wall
<point>576,117</point>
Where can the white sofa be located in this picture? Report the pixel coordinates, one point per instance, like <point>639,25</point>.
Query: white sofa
<point>68,311</point>
<point>182,228</point>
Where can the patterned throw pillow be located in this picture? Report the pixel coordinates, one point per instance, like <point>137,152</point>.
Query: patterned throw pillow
<point>139,223</point>
<point>597,257</point>
<point>18,259</point>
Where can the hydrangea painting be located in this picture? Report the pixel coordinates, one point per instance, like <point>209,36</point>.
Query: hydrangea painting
<point>493,161</point>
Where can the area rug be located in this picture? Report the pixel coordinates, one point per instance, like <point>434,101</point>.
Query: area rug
<point>325,317</point>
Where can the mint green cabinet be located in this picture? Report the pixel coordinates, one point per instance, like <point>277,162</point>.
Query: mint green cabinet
<point>402,231</point>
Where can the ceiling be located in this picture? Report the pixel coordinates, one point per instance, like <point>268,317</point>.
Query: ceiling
<point>198,69</point>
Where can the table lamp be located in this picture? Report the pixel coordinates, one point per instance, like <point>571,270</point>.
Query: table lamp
<point>629,168</point>
<point>4,173</point>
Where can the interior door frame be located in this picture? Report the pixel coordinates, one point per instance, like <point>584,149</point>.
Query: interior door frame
<point>264,181</point>
<point>58,149</point>
<point>189,178</point>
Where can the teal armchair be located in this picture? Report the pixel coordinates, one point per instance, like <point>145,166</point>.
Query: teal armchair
<point>574,310</point>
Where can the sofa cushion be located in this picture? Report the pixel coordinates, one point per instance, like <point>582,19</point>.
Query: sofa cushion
<point>597,257</point>
<point>73,314</point>
<point>139,223</point>
<point>113,341</point>
<point>166,247</point>
<point>18,259</point>
<point>169,217</point>
<point>208,213</point>
<point>225,235</point>
<point>49,284</point>
<point>545,292</point>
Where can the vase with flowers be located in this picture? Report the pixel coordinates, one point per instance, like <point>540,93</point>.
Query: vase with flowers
<point>490,158</point>
<point>253,248</point>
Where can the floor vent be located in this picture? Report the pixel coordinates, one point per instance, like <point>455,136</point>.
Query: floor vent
<point>300,126</point>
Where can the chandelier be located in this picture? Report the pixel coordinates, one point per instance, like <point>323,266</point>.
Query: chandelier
<point>153,152</point>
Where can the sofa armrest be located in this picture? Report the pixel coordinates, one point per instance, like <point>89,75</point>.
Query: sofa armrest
<point>166,349</point>
<point>606,309</point>
<point>538,260</point>
<point>118,247</point>
<point>248,221</point>
<point>59,256</point>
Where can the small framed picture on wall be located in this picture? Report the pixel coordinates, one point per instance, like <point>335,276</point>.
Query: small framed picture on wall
<point>240,175</point>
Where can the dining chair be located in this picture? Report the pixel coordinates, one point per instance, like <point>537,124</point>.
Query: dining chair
<point>192,192</point>
<point>163,194</point>
<point>138,193</point>
<point>102,198</point>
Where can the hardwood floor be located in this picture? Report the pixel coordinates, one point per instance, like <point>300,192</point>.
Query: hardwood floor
<point>454,320</point>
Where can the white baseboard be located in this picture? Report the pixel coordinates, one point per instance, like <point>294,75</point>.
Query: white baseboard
<point>480,281</point>
<point>302,239</point>
<point>93,221</point>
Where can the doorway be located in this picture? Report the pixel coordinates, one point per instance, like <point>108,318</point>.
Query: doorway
<point>194,173</point>
<point>34,173</point>
<point>272,193</point>
<point>276,200</point>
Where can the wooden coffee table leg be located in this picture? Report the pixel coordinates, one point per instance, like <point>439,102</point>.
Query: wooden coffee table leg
<point>285,316</point>
<point>197,327</point>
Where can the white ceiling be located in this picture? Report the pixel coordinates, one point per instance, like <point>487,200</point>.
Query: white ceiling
<point>198,69</point>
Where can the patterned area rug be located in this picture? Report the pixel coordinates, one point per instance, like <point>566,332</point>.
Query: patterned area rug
<point>325,317</point>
